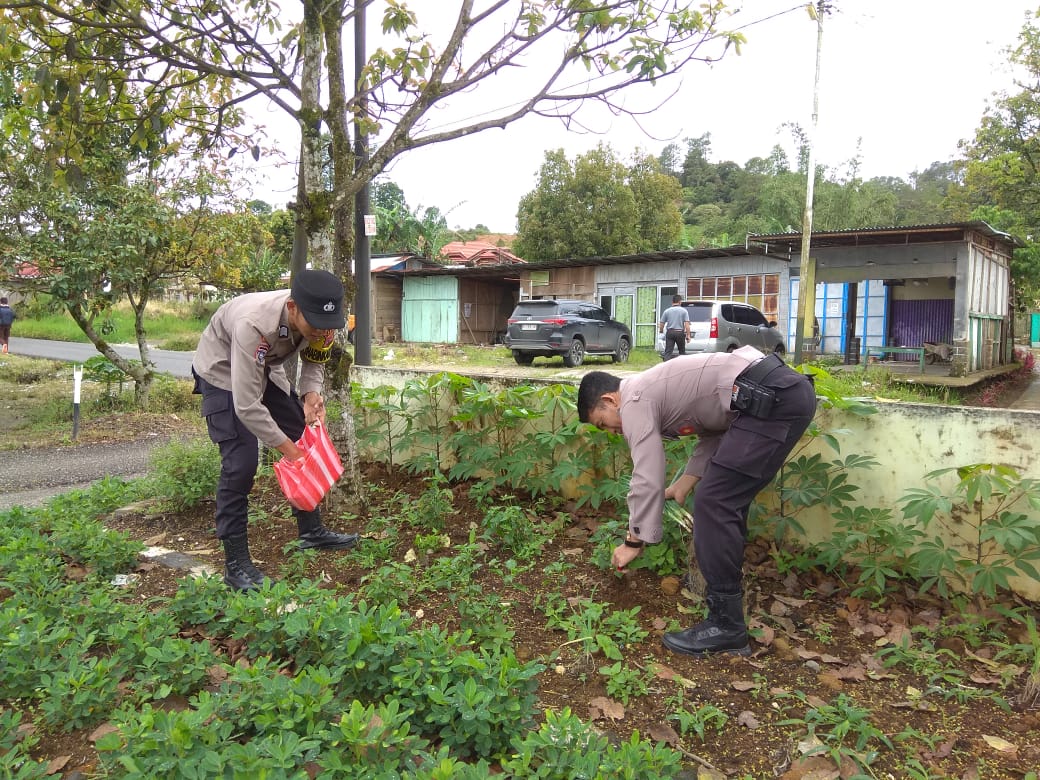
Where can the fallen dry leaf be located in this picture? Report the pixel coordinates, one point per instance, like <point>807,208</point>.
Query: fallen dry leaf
<point>787,625</point>
<point>869,629</point>
<point>663,672</point>
<point>943,751</point>
<point>897,636</point>
<point>763,633</point>
<point>791,602</point>
<point>56,764</point>
<point>812,768</point>
<point>920,705</point>
<point>854,672</point>
<point>743,685</point>
<point>662,732</point>
<point>1000,744</point>
<point>601,707</point>
<point>748,720</point>
<point>100,731</point>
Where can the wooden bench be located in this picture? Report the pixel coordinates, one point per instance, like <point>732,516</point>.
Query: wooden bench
<point>919,351</point>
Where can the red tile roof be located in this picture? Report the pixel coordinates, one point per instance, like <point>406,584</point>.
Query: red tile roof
<point>477,253</point>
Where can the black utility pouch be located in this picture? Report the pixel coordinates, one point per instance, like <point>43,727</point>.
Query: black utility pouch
<point>752,398</point>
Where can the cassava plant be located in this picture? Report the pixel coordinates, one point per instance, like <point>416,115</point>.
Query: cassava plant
<point>988,528</point>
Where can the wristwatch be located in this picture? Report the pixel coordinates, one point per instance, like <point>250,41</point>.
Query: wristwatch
<point>636,543</point>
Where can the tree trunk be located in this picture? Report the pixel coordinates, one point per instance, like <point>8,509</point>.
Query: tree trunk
<point>328,230</point>
<point>343,248</point>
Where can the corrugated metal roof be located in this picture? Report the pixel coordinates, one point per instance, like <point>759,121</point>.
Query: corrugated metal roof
<point>791,243</point>
<point>537,265</point>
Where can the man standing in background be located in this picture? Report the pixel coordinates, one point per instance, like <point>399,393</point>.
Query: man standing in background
<point>675,325</point>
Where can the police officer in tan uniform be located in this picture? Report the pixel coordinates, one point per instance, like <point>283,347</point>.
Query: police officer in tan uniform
<point>748,412</point>
<point>246,395</point>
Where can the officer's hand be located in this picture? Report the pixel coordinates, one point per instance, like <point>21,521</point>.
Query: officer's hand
<point>290,450</point>
<point>624,555</point>
<point>313,409</point>
<point>680,489</point>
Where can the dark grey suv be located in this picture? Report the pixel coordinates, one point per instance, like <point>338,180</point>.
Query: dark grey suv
<point>573,329</point>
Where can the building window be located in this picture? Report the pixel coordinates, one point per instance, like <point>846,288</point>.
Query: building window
<point>760,290</point>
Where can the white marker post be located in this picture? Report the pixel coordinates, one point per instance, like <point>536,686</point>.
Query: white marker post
<point>77,380</point>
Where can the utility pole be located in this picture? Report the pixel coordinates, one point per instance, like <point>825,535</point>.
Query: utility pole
<point>362,248</point>
<point>807,266</point>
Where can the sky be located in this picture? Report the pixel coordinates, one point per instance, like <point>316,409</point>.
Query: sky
<point>901,83</point>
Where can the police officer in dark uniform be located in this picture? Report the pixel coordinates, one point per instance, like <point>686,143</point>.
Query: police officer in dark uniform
<point>239,369</point>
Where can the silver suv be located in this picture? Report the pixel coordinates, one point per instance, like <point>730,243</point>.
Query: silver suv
<point>572,329</point>
<point>723,326</point>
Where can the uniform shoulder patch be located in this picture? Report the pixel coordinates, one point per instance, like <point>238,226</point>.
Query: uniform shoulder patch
<point>261,352</point>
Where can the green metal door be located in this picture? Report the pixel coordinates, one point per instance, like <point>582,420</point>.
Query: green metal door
<point>623,309</point>
<point>430,310</point>
<point>645,331</point>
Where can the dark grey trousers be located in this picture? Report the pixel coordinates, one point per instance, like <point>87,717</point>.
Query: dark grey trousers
<point>749,455</point>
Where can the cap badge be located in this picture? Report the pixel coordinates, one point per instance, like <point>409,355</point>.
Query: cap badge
<point>330,306</point>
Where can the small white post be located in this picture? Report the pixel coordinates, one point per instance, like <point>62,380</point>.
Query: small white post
<point>77,380</point>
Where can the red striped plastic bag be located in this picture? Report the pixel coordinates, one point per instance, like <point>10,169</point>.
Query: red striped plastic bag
<point>306,481</point>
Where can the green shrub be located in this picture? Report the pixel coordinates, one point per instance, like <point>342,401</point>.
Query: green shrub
<point>564,747</point>
<point>184,473</point>
<point>169,394</point>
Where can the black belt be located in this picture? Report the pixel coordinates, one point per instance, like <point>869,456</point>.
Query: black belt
<point>760,369</point>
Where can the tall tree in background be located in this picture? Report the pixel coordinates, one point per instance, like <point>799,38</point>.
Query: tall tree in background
<point>1001,169</point>
<point>422,232</point>
<point>597,206</point>
<point>657,196</point>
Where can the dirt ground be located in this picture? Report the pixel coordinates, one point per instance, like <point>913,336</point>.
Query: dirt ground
<point>813,640</point>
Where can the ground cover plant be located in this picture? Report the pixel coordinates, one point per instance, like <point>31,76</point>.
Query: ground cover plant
<point>478,629</point>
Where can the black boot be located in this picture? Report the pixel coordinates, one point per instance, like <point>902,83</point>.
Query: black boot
<point>315,536</point>
<point>723,632</point>
<point>239,571</point>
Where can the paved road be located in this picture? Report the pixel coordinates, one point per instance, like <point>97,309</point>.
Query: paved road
<point>51,471</point>
<point>167,361</point>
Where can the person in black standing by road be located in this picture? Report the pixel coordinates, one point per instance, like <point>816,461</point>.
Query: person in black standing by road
<point>675,325</point>
<point>7,316</point>
<point>247,396</point>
